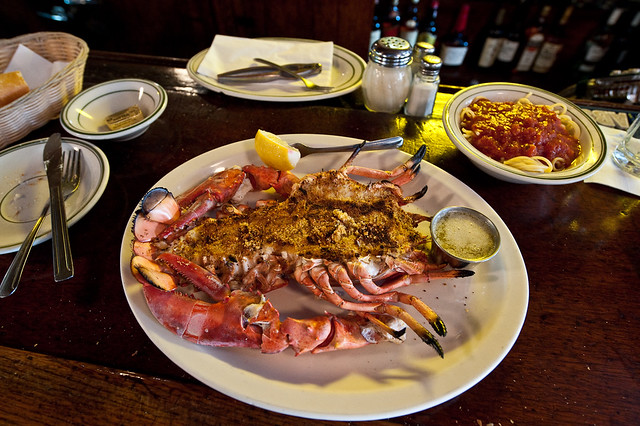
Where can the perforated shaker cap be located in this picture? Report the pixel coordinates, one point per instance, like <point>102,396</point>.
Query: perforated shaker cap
<point>430,65</point>
<point>391,52</point>
<point>422,48</point>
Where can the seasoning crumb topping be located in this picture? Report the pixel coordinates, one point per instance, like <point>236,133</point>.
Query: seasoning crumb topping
<point>327,216</point>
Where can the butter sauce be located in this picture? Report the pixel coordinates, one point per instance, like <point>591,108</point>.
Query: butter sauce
<point>464,236</point>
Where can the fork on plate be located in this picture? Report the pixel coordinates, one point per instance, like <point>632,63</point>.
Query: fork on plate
<point>308,83</point>
<point>72,169</point>
<point>387,143</point>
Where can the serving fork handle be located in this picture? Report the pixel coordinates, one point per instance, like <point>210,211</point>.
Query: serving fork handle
<point>62,259</point>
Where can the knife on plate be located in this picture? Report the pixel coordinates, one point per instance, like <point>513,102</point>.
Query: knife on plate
<point>263,74</point>
<point>62,260</point>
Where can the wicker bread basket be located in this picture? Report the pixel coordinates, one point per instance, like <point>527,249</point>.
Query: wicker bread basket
<point>43,103</point>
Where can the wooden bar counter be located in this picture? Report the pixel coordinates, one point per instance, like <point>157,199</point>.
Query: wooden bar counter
<point>72,352</point>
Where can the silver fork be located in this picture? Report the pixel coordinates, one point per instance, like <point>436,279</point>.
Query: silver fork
<point>308,83</point>
<point>70,183</point>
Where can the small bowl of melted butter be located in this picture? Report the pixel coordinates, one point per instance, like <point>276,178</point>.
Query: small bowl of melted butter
<point>463,237</point>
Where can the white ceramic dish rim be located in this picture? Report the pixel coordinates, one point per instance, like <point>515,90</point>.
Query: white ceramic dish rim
<point>346,56</point>
<point>378,381</point>
<point>160,99</point>
<point>93,193</point>
<point>594,159</point>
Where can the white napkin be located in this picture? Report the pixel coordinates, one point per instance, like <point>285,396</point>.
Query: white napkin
<point>35,69</point>
<point>230,53</point>
<point>610,174</point>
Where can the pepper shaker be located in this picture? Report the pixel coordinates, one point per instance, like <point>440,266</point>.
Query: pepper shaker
<point>387,77</point>
<point>420,50</point>
<point>424,88</point>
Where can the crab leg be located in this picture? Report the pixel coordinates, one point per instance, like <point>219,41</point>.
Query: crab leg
<point>215,324</point>
<point>246,320</point>
<point>400,175</point>
<point>197,275</point>
<point>339,273</point>
<point>263,178</point>
<point>406,279</point>
<point>321,278</point>
<point>221,186</point>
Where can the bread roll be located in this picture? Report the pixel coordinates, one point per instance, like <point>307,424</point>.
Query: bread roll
<point>12,86</point>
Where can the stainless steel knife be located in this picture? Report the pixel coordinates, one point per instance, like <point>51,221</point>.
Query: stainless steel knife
<point>62,259</point>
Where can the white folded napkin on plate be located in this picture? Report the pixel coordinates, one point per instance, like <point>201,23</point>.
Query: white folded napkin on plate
<point>610,174</point>
<point>229,53</point>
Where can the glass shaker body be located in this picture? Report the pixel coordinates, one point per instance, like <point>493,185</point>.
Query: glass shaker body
<point>424,88</point>
<point>387,77</point>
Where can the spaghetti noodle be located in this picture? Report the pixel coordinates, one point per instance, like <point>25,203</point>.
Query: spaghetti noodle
<point>529,137</point>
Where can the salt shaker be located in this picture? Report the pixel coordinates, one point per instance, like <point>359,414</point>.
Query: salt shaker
<point>387,77</point>
<point>420,50</point>
<point>424,88</point>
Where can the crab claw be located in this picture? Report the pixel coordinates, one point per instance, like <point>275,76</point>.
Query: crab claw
<point>149,272</point>
<point>146,230</point>
<point>160,206</point>
<point>157,209</point>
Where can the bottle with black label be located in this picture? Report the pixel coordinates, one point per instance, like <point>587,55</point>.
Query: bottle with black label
<point>535,37</point>
<point>454,45</point>
<point>428,31</point>
<point>596,46</point>
<point>513,38</point>
<point>624,51</point>
<point>553,44</point>
<point>493,40</point>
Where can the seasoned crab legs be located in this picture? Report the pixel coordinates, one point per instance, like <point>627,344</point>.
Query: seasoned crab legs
<point>349,243</point>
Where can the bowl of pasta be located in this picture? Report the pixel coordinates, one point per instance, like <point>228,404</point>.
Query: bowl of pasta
<point>523,134</point>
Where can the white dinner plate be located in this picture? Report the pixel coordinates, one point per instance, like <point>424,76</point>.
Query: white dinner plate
<point>346,76</point>
<point>483,313</point>
<point>24,189</point>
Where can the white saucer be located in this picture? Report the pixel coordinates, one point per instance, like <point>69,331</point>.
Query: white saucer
<point>24,189</point>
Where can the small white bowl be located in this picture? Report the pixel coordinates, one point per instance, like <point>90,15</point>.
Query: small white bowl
<point>592,141</point>
<point>84,116</point>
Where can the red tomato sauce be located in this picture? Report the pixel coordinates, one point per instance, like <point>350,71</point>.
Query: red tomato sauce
<point>503,130</point>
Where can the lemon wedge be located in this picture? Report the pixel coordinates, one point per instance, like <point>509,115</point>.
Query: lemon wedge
<point>276,152</point>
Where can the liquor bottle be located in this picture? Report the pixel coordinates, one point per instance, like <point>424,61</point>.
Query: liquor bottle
<point>391,23</point>
<point>513,38</point>
<point>428,31</point>
<point>623,49</point>
<point>376,25</point>
<point>535,38</point>
<point>493,40</point>
<point>454,46</point>
<point>553,44</point>
<point>596,46</point>
<point>409,28</point>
